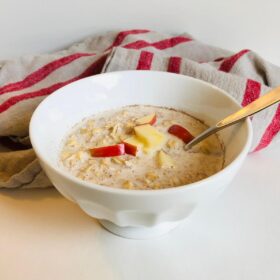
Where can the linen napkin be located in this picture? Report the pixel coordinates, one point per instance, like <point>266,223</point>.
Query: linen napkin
<point>26,81</point>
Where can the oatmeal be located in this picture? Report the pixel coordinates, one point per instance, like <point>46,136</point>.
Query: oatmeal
<point>140,147</point>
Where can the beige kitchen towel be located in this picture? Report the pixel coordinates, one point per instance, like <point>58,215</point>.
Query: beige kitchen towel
<point>26,81</point>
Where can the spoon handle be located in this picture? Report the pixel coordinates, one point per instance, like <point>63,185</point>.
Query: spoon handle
<point>256,106</point>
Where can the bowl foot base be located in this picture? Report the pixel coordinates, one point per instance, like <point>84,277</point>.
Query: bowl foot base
<point>139,232</point>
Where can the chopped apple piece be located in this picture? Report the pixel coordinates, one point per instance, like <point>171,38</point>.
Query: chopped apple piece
<point>150,119</point>
<point>164,160</point>
<point>180,132</point>
<point>151,137</point>
<point>132,145</point>
<point>108,151</point>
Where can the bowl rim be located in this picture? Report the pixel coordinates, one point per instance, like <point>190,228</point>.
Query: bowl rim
<point>120,191</point>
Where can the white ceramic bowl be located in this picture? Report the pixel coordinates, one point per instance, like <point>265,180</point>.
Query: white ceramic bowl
<point>136,213</point>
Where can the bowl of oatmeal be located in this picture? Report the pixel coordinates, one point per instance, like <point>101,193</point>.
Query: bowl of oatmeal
<point>114,145</point>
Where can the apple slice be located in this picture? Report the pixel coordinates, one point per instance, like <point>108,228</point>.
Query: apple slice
<point>180,132</point>
<point>164,160</point>
<point>151,137</point>
<point>108,151</point>
<point>132,145</point>
<point>150,119</point>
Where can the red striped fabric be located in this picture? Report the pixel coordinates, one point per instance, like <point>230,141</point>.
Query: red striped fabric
<point>42,92</point>
<point>91,70</point>
<point>145,60</point>
<point>174,64</point>
<point>160,45</point>
<point>95,67</point>
<point>47,69</point>
<point>228,63</point>
<point>252,92</point>
<point>123,34</point>
<point>41,73</point>
<point>270,132</point>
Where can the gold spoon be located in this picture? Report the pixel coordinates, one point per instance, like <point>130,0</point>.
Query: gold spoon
<point>256,106</point>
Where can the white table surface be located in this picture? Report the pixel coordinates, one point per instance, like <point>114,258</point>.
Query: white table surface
<point>44,236</point>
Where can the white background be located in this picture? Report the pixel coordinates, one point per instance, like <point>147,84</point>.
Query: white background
<point>35,26</point>
<point>44,236</point>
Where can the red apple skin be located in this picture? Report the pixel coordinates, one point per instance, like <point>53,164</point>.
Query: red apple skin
<point>180,132</point>
<point>130,149</point>
<point>108,151</point>
<point>151,122</point>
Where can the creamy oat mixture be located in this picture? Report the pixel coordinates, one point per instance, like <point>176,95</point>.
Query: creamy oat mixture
<point>164,165</point>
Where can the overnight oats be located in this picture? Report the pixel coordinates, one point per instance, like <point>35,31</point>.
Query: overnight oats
<point>140,147</point>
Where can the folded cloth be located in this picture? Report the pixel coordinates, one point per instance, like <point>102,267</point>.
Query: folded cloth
<point>26,81</point>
